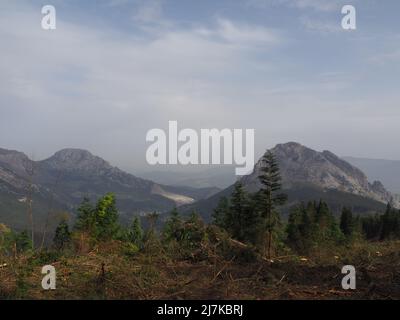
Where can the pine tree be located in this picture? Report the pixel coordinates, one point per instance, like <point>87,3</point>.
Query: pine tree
<point>221,213</point>
<point>312,226</point>
<point>237,212</point>
<point>101,222</point>
<point>135,232</point>
<point>173,229</point>
<point>390,223</point>
<point>301,231</point>
<point>371,226</point>
<point>106,217</point>
<point>86,216</point>
<point>62,236</point>
<point>270,197</point>
<point>322,213</point>
<point>238,216</point>
<point>294,234</point>
<point>23,242</point>
<point>255,230</point>
<point>346,222</point>
<point>325,228</point>
<point>194,231</point>
<point>306,223</point>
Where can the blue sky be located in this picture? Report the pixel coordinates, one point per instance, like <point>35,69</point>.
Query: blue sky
<point>115,69</point>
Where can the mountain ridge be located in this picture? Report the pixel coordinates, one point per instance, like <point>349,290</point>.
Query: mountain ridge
<point>71,174</point>
<point>61,181</point>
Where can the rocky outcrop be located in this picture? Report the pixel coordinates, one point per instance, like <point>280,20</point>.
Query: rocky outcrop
<point>302,165</point>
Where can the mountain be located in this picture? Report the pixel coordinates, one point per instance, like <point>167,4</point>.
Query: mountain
<point>311,175</point>
<point>60,182</point>
<point>301,165</point>
<point>388,171</point>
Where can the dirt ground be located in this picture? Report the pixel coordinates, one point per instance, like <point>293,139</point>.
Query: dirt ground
<point>112,276</point>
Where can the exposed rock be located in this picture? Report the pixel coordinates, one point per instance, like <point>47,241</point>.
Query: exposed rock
<point>77,160</point>
<point>300,164</point>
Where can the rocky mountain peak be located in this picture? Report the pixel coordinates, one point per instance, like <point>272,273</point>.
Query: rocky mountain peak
<point>291,149</point>
<point>15,161</point>
<point>11,155</point>
<point>302,165</point>
<point>77,160</point>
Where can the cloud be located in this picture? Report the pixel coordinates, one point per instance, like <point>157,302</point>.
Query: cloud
<point>86,87</point>
<point>242,34</point>
<point>149,15</point>
<point>116,3</point>
<point>149,12</point>
<point>321,26</point>
<point>102,87</point>
<point>386,57</point>
<point>317,5</point>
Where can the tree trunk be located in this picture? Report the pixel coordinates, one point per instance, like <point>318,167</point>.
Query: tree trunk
<point>269,217</point>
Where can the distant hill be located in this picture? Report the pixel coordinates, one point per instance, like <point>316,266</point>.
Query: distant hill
<point>60,182</point>
<point>387,171</point>
<point>311,175</point>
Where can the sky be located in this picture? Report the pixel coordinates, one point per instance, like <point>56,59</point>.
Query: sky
<point>115,69</point>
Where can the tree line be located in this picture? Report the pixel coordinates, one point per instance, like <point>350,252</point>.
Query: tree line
<point>254,218</point>
<point>98,223</point>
